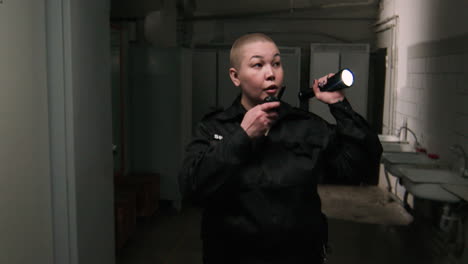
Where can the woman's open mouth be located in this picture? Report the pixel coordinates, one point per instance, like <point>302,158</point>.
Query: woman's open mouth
<point>271,90</point>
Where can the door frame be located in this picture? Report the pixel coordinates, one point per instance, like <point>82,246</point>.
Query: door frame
<point>390,27</point>
<point>67,199</point>
<point>61,132</point>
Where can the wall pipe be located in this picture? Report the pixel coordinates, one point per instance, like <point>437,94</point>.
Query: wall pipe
<point>386,20</point>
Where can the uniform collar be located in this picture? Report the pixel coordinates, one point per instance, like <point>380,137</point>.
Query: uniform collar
<point>236,110</point>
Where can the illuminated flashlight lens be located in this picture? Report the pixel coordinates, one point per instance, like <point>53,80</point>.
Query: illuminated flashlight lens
<point>347,77</point>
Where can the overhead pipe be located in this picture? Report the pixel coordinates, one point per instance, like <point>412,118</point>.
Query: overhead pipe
<point>347,4</point>
<point>290,10</point>
<point>253,17</point>
<point>385,21</point>
<point>310,32</point>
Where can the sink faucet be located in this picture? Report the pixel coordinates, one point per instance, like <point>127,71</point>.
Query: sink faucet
<point>458,149</point>
<point>416,143</point>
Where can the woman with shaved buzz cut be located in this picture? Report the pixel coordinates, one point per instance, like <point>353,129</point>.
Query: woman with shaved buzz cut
<point>254,167</point>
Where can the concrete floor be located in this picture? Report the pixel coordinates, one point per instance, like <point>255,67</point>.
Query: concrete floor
<point>172,237</point>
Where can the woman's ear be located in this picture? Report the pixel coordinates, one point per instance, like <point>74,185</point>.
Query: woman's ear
<point>234,77</point>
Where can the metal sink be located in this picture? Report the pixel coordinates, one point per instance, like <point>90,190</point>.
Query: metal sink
<point>391,143</point>
<point>397,147</point>
<point>389,138</point>
<point>395,161</point>
<point>408,158</point>
<point>426,183</point>
<point>424,175</point>
<point>395,169</point>
<point>429,191</point>
<point>457,190</point>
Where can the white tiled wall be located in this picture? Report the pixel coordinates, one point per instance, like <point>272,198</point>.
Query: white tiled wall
<point>435,97</point>
<point>432,74</point>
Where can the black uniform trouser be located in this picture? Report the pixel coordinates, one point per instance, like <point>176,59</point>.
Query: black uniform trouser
<point>227,251</point>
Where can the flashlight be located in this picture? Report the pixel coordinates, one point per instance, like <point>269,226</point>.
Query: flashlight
<point>341,80</point>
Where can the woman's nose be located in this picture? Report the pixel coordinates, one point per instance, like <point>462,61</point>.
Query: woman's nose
<point>269,73</point>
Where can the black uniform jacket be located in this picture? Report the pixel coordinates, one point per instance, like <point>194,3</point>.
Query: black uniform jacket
<point>262,193</point>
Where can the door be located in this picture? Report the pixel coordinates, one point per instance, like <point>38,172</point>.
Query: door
<point>377,73</point>
<point>204,78</point>
<point>291,61</point>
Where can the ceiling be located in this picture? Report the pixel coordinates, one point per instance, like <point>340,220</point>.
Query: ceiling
<point>215,8</point>
<point>211,7</point>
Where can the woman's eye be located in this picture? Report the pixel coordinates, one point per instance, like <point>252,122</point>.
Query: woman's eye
<point>277,64</point>
<point>257,65</point>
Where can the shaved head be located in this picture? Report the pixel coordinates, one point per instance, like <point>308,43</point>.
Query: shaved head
<point>235,57</point>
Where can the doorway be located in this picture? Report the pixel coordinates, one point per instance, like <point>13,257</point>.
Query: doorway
<point>375,103</point>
